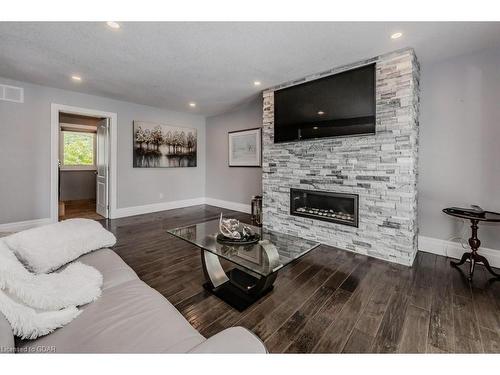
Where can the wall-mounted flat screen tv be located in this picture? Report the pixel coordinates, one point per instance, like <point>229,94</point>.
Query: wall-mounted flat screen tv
<point>342,104</point>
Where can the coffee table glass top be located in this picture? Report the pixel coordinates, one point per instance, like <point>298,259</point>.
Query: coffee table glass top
<point>264,258</point>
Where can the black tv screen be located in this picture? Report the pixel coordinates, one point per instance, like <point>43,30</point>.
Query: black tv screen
<point>338,105</point>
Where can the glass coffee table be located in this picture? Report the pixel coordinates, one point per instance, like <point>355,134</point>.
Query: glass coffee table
<point>255,266</point>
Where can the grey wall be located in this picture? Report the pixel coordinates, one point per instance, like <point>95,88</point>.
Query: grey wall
<point>459,158</point>
<point>459,151</point>
<point>235,184</point>
<point>77,185</point>
<point>25,153</point>
<point>459,161</point>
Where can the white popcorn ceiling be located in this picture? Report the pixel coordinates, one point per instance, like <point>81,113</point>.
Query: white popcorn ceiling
<point>169,65</point>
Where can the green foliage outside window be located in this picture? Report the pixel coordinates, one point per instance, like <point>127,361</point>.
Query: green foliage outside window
<point>78,148</point>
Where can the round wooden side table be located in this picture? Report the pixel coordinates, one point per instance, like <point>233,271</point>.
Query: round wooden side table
<point>474,242</point>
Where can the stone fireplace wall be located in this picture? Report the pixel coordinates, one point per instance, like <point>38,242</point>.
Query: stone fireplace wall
<point>380,168</point>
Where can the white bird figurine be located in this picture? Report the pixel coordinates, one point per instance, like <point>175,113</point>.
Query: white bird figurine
<point>229,228</point>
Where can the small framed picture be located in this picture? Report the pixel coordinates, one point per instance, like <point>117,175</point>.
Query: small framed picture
<point>245,148</point>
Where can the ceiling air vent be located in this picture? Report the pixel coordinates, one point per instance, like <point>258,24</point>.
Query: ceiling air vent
<point>12,93</point>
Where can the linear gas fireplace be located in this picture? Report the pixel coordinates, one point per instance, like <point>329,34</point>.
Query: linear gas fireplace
<point>323,205</point>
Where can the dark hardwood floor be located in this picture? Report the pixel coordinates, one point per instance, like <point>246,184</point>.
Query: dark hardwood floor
<point>329,301</point>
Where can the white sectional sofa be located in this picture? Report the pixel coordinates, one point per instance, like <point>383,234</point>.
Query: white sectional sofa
<point>129,317</point>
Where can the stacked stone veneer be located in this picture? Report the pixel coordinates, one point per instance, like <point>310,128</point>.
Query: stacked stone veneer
<point>380,168</point>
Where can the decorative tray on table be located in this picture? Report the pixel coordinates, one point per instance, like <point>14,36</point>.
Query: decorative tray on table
<point>232,232</point>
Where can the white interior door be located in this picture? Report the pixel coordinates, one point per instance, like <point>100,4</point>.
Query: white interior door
<point>102,162</point>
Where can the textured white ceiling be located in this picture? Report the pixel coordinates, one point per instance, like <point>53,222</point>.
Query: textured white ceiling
<point>214,64</point>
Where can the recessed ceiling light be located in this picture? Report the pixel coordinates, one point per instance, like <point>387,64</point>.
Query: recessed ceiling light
<point>321,113</point>
<point>192,104</point>
<point>113,24</point>
<point>315,128</point>
<point>76,78</point>
<point>396,35</point>
<point>256,83</point>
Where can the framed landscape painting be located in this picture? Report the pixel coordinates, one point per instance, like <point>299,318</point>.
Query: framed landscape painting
<point>245,148</point>
<point>163,146</point>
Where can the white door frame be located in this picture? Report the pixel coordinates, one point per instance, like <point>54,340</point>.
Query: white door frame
<point>54,154</point>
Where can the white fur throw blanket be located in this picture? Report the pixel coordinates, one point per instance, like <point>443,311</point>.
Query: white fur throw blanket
<point>75,285</point>
<point>35,305</point>
<point>49,247</point>
<point>28,323</point>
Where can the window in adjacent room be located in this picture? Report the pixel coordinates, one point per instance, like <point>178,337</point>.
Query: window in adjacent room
<point>78,150</point>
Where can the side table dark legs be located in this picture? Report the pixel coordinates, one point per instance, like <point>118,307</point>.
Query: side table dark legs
<point>473,256</point>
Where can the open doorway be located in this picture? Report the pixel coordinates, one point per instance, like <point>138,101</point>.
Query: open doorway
<point>80,159</point>
<point>83,151</point>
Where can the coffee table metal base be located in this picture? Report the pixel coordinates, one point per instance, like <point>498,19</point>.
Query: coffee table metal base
<point>236,287</point>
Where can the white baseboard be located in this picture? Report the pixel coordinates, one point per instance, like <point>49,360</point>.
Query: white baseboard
<point>155,207</point>
<point>454,249</point>
<point>242,207</point>
<point>163,206</point>
<point>22,225</point>
<point>138,210</point>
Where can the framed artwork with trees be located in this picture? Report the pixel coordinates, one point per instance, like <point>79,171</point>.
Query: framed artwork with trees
<point>163,146</point>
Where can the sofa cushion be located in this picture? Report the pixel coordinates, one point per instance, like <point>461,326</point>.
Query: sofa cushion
<point>128,318</point>
<point>6,336</point>
<point>113,269</point>
<point>232,340</point>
